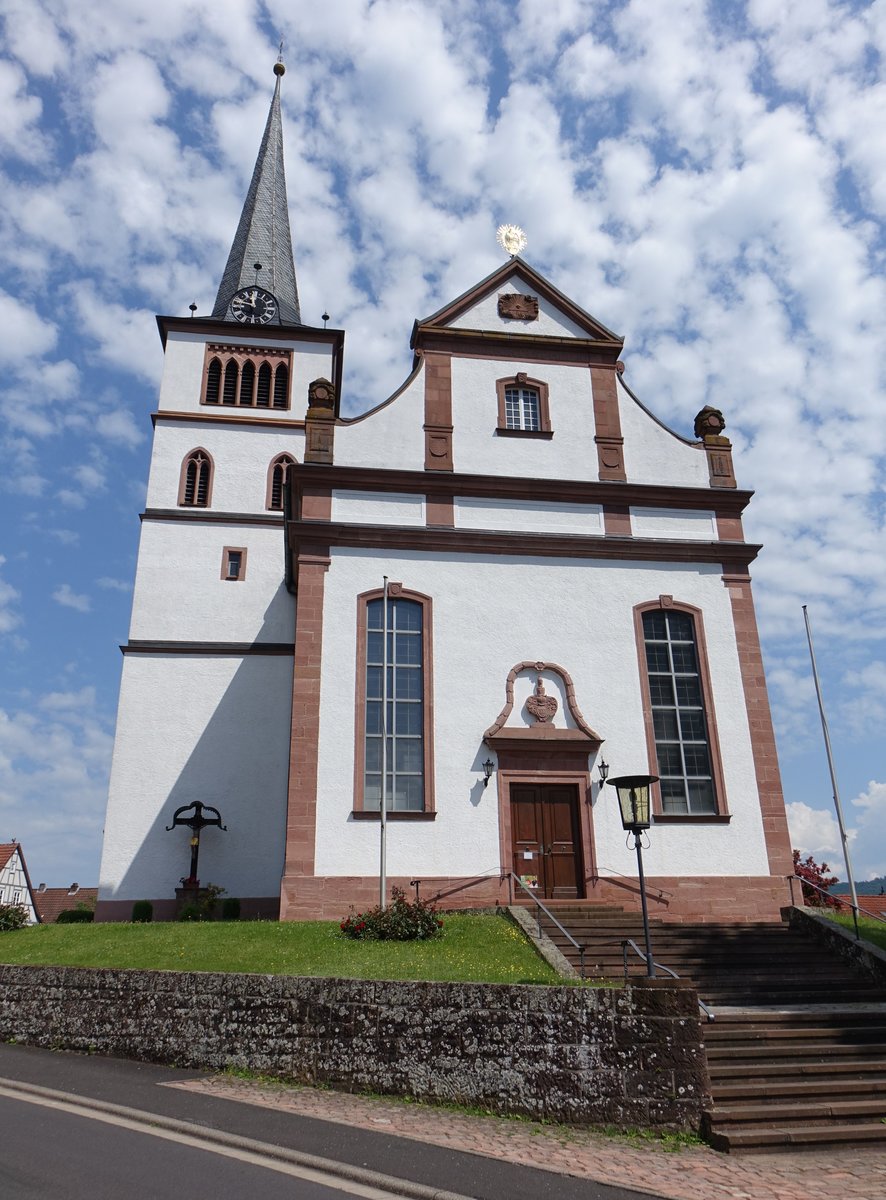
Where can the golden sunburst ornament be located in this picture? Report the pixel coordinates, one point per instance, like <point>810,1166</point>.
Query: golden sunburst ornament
<point>511,238</point>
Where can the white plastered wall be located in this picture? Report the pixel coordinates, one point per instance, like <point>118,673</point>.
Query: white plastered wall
<point>241,458</point>
<point>529,516</point>
<point>570,454</point>
<point>490,614</point>
<point>208,729</point>
<point>180,387</point>
<point>652,454</point>
<point>180,595</point>
<point>392,437</point>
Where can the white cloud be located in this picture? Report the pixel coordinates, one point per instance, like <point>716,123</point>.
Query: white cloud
<point>55,762</point>
<point>119,585</point>
<point>10,618</point>
<point>119,425</point>
<point>26,333</point>
<point>68,598</point>
<point>870,807</point>
<point>816,832</point>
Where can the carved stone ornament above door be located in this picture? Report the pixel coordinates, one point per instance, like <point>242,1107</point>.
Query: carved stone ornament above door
<point>543,708</point>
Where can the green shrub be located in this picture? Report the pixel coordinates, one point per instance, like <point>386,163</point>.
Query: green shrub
<point>75,916</point>
<point>230,909</point>
<point>203,908</point>
<point>12,916</point>
<point>400,921</point>
<point>142,912</point>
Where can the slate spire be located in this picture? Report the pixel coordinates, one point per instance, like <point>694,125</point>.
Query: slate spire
<point>263,235</point>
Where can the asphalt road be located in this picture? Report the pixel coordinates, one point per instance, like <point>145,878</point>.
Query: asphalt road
<point>50,1153</point>
<point>114,1161</point>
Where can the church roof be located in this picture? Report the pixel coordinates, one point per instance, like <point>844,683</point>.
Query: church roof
<point>263,235</point>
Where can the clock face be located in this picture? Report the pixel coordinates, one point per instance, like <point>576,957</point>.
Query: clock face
<point>253,306</point>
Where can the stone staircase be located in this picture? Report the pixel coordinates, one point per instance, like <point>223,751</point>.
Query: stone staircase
<point>797,1049</point>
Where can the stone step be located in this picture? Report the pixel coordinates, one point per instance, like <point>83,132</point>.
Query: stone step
<point>806,1051</point>
<point>800,1136</point>
<point>767,1036</point>
<point>824,1071</point>
<point>776,1090</point>
<point>820,1112</point>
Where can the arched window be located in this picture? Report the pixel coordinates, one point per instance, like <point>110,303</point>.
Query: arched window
<point>409,767</point>
<point>213,382</point>
<point>195,486</point>
<point>229,395</point>
<point>247,383</point>
<point>277,476</point>
<point>281,386</point>
<point>263,397</point>
<point>679,714</point>
<point>247,376</point>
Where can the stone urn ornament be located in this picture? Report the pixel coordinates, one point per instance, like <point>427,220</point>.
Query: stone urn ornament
<point>541,706</point>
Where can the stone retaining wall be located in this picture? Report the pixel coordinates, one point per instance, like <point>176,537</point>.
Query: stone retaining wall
<point>630,1057</point>
<point>863,956</point>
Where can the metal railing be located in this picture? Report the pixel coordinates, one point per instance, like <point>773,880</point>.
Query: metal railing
<point>626,942</point>
<point>543,908</point>
<point>467,882</point>
<point>631,882</point>
<point>856,909</point>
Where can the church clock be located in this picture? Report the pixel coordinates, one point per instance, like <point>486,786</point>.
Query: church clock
<point>253,306</point>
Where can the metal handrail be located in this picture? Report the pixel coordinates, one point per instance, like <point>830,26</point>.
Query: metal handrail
<point>856,909</point>
<point>708,1012</point>
<point>469,882</point>
<point>632,879</point>
<point>543,908</point>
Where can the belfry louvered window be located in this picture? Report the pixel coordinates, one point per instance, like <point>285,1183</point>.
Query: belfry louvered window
<point>196,481</point>
<point>277,477</point>
<point>247,377</point>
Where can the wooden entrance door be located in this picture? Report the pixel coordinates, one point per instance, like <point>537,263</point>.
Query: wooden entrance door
<point>546,842</point>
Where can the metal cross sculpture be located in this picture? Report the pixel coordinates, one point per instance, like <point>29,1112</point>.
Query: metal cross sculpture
<point>193,815</point>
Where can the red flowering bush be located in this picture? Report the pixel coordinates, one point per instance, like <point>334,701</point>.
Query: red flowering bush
<point>809,869</point>
<point>400,921</point>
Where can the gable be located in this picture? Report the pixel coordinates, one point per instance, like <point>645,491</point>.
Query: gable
<point>517,301</point>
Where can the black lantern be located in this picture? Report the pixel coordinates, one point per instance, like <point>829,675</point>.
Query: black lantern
<point>633,800</point>
<point>488,768</point>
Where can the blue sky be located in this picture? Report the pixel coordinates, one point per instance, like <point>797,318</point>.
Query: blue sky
<point>707,179</point>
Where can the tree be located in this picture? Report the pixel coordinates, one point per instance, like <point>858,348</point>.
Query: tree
<point>812,872</point>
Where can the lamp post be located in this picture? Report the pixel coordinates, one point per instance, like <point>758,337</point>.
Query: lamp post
<point>633,800</point>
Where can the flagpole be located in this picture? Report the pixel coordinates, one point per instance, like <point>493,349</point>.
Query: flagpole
<point>383,825</point>
<point>827,744</point>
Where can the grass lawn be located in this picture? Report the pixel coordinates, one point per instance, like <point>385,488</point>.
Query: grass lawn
<point>870,930</point>
<point>473,948</point>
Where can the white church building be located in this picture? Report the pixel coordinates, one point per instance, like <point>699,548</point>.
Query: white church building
<point>568,581</point>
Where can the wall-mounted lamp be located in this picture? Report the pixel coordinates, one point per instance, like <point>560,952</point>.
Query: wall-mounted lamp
<point>603,768</point>
<point>488,768</point>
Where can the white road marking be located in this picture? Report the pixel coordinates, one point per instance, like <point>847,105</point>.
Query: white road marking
<point>259,1160</point>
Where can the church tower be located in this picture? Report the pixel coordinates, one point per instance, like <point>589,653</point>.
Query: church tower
<point>205,698</point>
